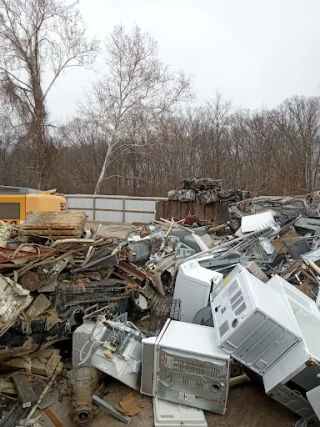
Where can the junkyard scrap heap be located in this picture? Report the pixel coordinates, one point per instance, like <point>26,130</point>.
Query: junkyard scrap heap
<point>179,309</point>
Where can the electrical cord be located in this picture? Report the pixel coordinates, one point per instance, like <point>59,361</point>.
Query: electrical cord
<point>87,357</point>
<point>93,344</point>
<point>301,423</point>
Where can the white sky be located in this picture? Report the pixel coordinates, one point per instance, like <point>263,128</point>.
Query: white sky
<point>256,52</point>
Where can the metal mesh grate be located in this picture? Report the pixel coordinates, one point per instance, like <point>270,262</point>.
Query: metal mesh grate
<point>235,297</point>
<point>175,312</point>
<point>224,328</point>
<point>240,309</point>
<point>165,308</point>
<point>237,303</point>
<point>232,288</point>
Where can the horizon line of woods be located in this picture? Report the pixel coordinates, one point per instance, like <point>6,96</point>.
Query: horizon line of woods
<point>138,130</point>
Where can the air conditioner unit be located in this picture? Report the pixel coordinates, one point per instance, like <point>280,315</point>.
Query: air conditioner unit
<point>188,367</point>
<point>253,322</point>
<point>193,287</point>
<point>113,347</point>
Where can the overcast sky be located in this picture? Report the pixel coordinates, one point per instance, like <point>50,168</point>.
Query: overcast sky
<point>256,52</point>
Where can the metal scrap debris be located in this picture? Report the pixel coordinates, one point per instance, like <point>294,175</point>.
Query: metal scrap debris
<point>60,281</point>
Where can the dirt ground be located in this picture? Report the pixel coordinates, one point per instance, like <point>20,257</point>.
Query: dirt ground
<point>248,405</point>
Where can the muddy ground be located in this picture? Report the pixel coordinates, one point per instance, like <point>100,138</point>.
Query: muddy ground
<point>248,405</point>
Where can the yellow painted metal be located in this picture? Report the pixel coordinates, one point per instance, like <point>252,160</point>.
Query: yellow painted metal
<point>44,203</point>
<point>16,208</point>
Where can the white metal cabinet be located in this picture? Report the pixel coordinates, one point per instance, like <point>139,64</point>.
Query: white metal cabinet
<point>314,399</point>
<point>193,286</point>
<point>253,322</point>
<point>189,368</point>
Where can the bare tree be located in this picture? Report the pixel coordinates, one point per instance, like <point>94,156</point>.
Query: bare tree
<point>298,121</point>
<point>128,102</point>
<point>8,141</point>
<point>216,120</point>
<point>39,39</point>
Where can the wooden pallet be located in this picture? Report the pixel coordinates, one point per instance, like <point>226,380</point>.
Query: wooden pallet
<point>55,225</point>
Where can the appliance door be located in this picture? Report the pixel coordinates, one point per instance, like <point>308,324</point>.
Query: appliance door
<point>193,295</point>
<point>193,380</point>
<point>147,368</point>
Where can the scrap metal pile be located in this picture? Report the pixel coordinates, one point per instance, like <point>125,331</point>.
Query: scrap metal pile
<point>179,311</point>
<point>205,191</point>
<point>54,273</point>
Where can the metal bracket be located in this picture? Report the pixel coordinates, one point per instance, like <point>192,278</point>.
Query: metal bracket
<point>112,411</point>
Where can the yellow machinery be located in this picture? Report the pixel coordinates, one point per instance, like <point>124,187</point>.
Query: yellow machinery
<point>16,203</point>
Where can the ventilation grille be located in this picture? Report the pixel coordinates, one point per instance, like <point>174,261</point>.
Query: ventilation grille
<point>237,303</point>
<point>232,288</point>
<point>189,366</point>
<point>240,309</point>
<point>224,328</point>
<point>235,297</point>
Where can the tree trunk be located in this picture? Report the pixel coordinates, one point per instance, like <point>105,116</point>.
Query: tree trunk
<point>38,126</point>
<point>103,170</point>
<point>40,143</point>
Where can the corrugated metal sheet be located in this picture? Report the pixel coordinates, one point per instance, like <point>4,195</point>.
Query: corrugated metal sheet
<point>140,205</point>
<point>138,217</point>
<point>109,204</point>
<point>88,212</point>
<point>109,216</point>
<point>80,203</point>
<point>144,207</point>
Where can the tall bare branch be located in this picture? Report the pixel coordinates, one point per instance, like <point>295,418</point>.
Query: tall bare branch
<point>39,39</point>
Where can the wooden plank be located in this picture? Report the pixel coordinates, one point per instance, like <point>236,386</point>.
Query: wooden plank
<point>66,224</point>
<point>24,390</point>
<point>215,212</point>
<point>53,418</point>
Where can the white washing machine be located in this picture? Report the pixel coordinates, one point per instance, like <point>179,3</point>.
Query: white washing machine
<point>193,287</point>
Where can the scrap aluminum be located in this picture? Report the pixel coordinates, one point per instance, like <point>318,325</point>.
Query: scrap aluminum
<point>290,206</point>
<point>87,274</point>
<point>53,289</point>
